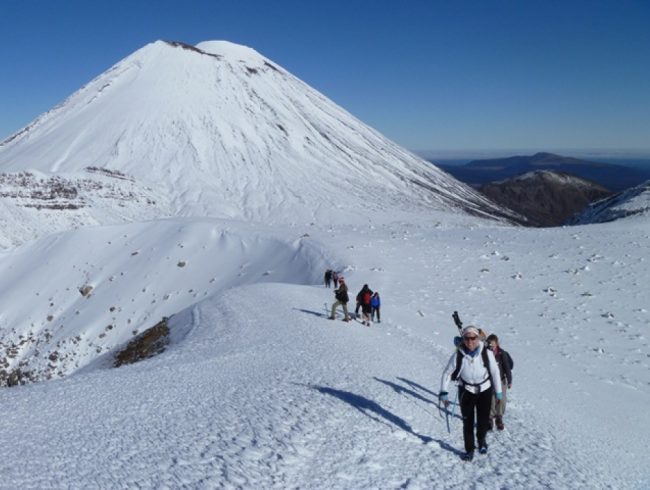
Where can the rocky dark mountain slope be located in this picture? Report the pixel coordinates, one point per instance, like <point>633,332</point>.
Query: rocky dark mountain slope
<point>545,198</point>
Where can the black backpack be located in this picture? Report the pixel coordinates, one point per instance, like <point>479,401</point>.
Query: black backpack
<point>507,358</point>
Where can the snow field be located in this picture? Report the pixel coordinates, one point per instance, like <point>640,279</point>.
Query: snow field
<point>260,390</point>
<point>257,389</point>
<point>136,274</point>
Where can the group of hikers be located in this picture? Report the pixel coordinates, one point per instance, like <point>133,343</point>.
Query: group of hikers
<point>479,367</point>
<point>482,371</point>
<point>368,301</point>
<point>331,277</point>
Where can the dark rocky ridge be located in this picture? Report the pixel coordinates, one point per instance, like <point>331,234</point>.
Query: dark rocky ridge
<point>545,198</point>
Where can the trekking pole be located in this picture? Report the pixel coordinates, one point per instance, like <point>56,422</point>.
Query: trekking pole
<point>447,419</point>
<point>457,341</point>
<point>453,411</point>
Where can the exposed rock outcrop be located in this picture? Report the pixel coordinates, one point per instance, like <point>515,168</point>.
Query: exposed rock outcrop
<point>545,198</point>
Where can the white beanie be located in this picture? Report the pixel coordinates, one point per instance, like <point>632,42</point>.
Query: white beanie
<point>470,329</point>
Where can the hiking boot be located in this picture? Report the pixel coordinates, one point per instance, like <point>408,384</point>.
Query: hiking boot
<point>499,421</point>
<point>468,456</point>
<point>330,318</point>
<point>483,449</point>
<point>346,319</point>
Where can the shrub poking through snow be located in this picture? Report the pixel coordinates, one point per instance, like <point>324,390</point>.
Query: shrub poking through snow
<point>148,344</point>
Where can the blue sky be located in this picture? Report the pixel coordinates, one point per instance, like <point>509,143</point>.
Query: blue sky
<point>453,75</point>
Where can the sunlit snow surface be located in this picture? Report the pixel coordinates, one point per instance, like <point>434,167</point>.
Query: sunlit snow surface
<point>225,188</point>
<point>228,133</point>
<point>260,390</point>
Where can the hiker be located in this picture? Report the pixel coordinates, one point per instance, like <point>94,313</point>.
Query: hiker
<point>363,301</point>
<point>335,278</point>
<point>505,368</point>
<point>328,278</point>
<point>342,298</point>
<point>475,370</point>
<point>375,305</point>
<point>359,298</point>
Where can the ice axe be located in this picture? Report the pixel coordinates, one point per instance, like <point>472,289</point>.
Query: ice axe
<point>457,321</point>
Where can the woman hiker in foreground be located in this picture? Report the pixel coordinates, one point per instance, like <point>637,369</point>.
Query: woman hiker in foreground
<point>475,370</point>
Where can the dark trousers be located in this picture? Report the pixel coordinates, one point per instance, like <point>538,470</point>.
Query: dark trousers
<point>475,404</point>
<point>375,311</point>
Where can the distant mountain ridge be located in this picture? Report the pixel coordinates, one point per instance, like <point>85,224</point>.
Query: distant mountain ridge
<point>612,177</point>
<point>544,197</point>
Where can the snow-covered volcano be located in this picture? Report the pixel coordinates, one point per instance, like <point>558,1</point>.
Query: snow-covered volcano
<point>220,130</point>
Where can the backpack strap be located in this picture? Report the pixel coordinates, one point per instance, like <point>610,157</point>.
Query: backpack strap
<point>459,362</point>
<point>486,363</point>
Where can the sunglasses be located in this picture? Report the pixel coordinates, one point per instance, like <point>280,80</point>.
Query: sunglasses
<point>471,338</point>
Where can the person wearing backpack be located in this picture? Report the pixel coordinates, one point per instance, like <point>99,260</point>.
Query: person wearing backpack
<point>505,367</point>
<point>375,304</point>
<point>328,277</point>
<point>335,278</point>
<point>363,303</point>
<point>366,298</point>
<point>476,372</point>
<point>342,298</point>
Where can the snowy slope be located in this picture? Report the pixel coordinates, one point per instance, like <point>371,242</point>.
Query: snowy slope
<point>225,132</point>
<point>137,273</point>
<point>260,390</point>
<point>257,389</point>
<point>634,202</point>
<point>34,204</point>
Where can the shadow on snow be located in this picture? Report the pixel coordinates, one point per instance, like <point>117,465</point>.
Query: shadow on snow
<point>312,312</point>
<point>415,385</point>
<point>406,391</point>
<point>379,414</point>
<point>401,390</point>
<point>371,409</point>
